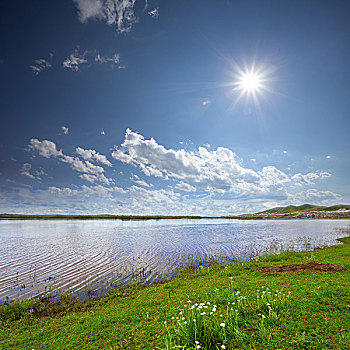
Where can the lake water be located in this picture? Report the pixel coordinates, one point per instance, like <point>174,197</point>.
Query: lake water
<point>70,255</point>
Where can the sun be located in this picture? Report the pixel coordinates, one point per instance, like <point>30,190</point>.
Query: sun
<point>250,82</point>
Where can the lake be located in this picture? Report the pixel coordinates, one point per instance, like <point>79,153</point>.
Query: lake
<point>69,255</point>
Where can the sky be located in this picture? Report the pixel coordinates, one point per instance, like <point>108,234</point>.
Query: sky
<point>184,107</point>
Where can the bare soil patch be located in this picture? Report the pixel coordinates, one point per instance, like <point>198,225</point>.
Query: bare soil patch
<point>311,266</point>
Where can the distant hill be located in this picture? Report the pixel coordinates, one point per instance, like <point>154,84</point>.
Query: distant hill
<point>304,209</point>
<point>292,208</point>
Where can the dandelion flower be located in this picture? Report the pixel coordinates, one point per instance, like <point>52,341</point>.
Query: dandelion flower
<point>223,346</point>
<point>222,324</point>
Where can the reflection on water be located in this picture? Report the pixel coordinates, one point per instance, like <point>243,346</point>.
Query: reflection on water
<point>69,255</point>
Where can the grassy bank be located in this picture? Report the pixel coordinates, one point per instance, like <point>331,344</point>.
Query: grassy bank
<point>250,310</point>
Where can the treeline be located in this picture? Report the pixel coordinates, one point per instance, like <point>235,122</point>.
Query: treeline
<point>94,217</point>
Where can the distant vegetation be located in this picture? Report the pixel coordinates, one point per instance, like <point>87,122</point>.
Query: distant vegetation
<point>93,217</point>
<point>339,211</point>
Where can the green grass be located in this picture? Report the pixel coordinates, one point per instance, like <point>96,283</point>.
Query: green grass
<point>310,311</point>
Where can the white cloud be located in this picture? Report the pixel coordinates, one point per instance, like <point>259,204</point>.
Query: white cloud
<point>25,171</point>
<point>310,178</point>
<point>90,154</point>
<point>271,176</point>
<point>74,60</point>
<point>96,178</point>
<point>154,13</point>
<point>114,59</point>
<point>65,130</point>
<point>140,182</point>
<point>39,65</point>
<point>182,186</point>
<point>217,170</point>
<point>81,166</point>
<point>91,171</point>
<point>211,171</point>
<point>45,148</point>
<point>150,171</point>
<point>87,191</point>
<point>113,12</point>
<point>314,195</point>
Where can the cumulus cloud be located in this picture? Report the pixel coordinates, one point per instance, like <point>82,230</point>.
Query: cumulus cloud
<point>81,166</point>
<point>310,178</point>
<point>39,65</point>
<point>217,170</point>
<point>314,195</point>
<point>114,12</point>
<point>96,178</point>
<point>182,186</point>
<point>91,172</point>
<point>74,60</point>
<point>26,171</point>
<point>140,182</point>
<point>212,171</point>
<point>65,130</point>
<point>90,154</point>
<point>45,148</point>
<point>87,191</point>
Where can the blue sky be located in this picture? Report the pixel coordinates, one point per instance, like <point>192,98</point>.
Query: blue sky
<point>142,107</point>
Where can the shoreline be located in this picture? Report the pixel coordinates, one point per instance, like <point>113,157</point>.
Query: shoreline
<point>155,217</point>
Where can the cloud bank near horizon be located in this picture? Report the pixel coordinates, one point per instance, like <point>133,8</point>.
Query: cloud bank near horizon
<point>160,180</point>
